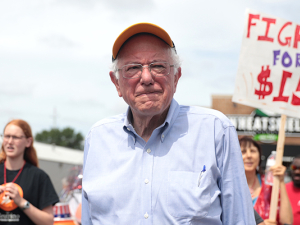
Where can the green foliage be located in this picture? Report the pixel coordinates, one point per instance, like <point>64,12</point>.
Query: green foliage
<point>66,138</point>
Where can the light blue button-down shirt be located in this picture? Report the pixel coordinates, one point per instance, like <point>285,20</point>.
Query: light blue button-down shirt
<point>128,181</point>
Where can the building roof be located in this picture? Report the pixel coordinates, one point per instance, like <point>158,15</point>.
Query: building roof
<point>59,154</point>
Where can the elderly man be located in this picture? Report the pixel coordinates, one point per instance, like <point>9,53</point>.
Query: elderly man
<point>293,189</point>
<point>160,162</point>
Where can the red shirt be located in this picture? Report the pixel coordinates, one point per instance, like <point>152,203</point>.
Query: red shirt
<point>294,196</point>
<point>262,204</point>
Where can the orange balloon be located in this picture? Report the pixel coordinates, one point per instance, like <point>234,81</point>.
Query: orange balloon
<point>9,205</point>
<point>65,222</point>
<point>78,213</point>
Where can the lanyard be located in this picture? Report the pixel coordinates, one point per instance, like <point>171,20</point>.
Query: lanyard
<point>252,187</point>
<point>16,175</point>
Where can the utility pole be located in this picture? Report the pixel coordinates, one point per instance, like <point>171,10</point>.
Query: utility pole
<point>54,117</point>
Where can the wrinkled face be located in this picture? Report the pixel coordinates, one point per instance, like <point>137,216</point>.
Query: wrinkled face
<point>146,95</point>
<point>15,147</point>
<point>296,173</point>
<point>250,157</point>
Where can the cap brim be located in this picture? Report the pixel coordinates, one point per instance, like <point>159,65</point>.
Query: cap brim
<point>140,28</point>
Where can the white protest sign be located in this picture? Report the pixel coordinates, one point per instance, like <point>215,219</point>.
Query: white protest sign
<point>268,74</point>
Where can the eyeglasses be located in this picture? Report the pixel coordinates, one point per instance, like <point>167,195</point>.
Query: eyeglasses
<point>157,69</point>
<point>293,167</point>
<point>15,138</point>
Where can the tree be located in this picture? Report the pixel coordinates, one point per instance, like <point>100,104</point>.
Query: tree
<point>66,137</point>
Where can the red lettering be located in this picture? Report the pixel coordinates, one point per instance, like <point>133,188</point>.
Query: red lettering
<point>297,36</point>
<point>266,38</point>
<point>287,39</point>
<point>251,16</point>
<point>280,97</point>
<point>295,99</point>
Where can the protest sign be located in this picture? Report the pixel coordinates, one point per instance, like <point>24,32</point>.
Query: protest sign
<point>268,74</point>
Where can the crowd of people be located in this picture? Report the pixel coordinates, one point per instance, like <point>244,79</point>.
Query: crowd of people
<point>158,163</point>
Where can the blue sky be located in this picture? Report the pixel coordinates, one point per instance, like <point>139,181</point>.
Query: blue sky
<point>56,54</point>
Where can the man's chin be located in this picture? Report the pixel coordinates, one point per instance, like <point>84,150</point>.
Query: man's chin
<point>296,183</point>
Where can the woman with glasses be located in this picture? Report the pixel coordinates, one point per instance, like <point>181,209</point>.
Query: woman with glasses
<point>261,192</point>
<point>26,192</point>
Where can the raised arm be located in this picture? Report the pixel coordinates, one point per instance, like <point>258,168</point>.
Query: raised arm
<point>285,212</point>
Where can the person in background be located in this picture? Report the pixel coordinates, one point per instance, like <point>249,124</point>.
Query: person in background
<point>258,219</point>
<point>161,162</point>
<point>26,192</point>
<point>260,192</point>
<point>293,189</point>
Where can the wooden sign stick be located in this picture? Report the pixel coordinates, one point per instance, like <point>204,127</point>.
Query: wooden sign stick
<point>279,154</point>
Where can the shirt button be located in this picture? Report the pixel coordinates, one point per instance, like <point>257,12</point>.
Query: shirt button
<point>162,135</point>
<point>128,128</point>
<point>146,181</point>
<point>146,215</point>
<point>148,150</point>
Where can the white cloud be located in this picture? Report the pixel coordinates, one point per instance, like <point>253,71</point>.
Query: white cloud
<point>57,53</point>
<point>57,41</point>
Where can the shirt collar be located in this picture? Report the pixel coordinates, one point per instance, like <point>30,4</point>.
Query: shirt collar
<point>170,119</point>
<point>127,127</point>
<point>128,117</point>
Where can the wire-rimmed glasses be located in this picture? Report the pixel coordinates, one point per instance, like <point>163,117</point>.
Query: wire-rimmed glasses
<point>134,70</point>
<point>15,138</point>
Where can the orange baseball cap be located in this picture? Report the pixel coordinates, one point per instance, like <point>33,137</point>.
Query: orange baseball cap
<point>140,28</point>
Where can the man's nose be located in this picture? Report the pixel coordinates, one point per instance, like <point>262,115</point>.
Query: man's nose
<point>146,76</point>
<point>297,170</point>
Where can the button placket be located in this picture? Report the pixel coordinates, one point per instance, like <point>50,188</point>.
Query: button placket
<point>147,177</point>
<point>146,215</point>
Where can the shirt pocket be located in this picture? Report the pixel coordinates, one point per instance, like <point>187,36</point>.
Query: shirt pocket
<point>185,198</point>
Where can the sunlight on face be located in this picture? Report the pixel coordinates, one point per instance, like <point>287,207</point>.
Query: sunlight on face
<point>146,95</point>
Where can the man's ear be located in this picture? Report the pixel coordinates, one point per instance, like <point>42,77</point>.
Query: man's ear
<point>176,78</point>
<point>115,81</point>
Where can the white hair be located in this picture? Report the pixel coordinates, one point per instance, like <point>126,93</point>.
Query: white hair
<point>174,58</point>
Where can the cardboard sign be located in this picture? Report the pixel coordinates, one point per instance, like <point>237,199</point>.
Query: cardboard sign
<point>268,74</point>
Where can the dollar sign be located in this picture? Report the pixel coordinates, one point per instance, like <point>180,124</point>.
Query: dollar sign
<point>262,79</point>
